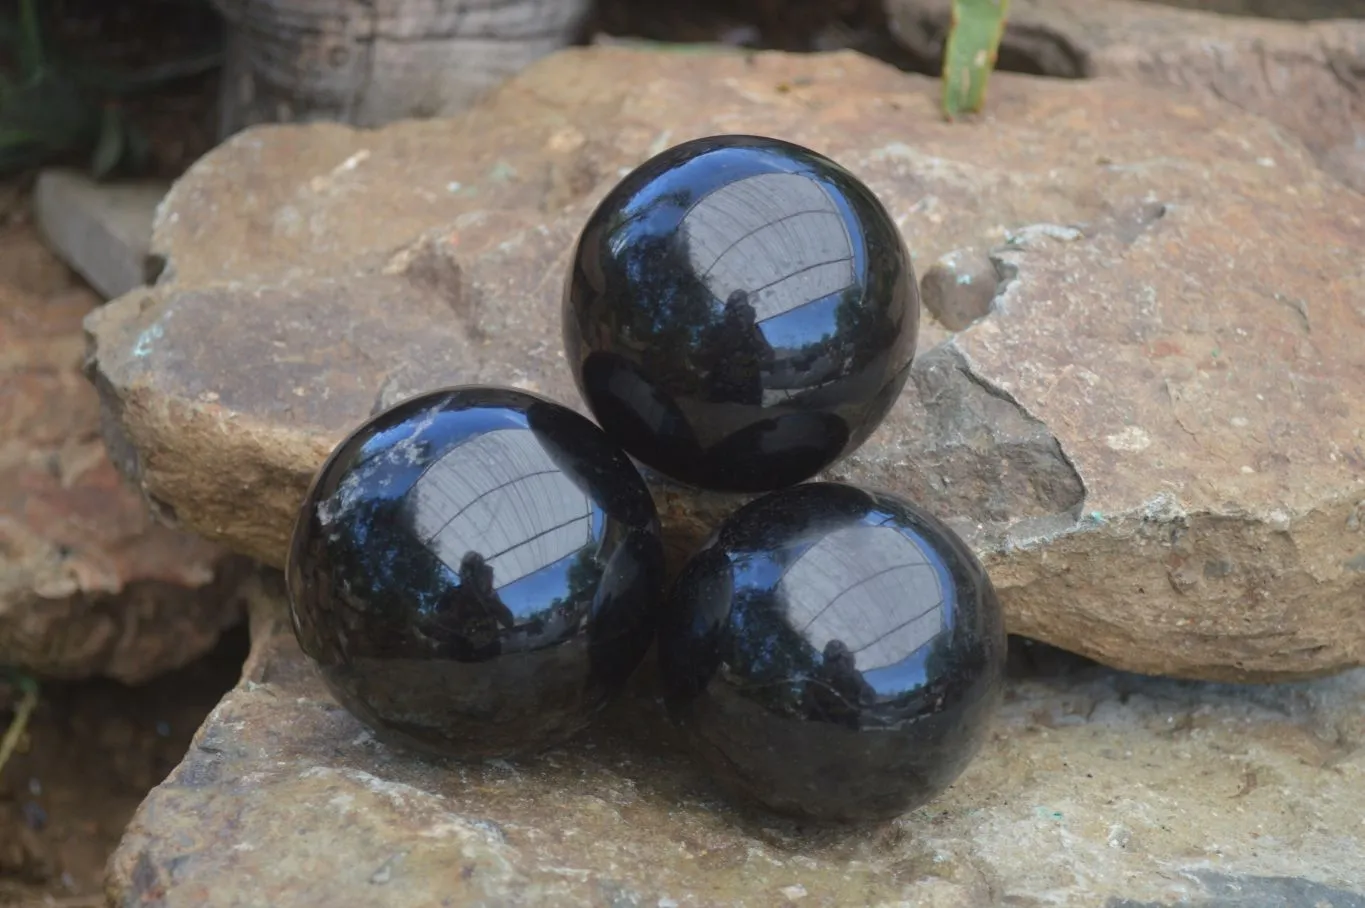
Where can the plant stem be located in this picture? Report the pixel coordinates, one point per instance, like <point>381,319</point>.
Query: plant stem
<point>31,58</point>
<point>970,53</point>
<point>20,721</point>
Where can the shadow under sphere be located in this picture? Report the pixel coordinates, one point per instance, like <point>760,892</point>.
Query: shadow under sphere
<point>740,313</point>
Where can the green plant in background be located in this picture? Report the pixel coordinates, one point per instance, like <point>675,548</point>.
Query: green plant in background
<point>970,53</point>
<point>28,700</point>
<point>52,108</point>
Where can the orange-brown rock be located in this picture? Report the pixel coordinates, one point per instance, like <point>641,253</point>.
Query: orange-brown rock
<point>89,584</point>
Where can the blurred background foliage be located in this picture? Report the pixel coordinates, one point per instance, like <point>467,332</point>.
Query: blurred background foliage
<point>62,106</point>
<point>70,75</point>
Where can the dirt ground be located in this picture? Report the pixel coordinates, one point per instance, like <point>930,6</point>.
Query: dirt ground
<point>93,749</point>
<point>91,752</point>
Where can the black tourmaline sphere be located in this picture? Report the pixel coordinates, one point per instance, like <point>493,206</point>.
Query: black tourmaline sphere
<point>740,313</point>
<point>834,653</point>
<point>475,572</point>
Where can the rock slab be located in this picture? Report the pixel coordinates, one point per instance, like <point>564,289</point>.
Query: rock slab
<point>1306,77</point>
<point>103,231</point>
<point>89,583</point>
<point>1097,788</point>
<point>1155,438</point>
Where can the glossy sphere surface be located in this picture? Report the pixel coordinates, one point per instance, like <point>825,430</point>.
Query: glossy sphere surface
<point>475,572</point>
<point>834,653</point>
<point>740,313</point>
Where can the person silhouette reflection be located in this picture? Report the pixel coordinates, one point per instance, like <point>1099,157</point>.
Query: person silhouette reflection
<point>837,692</point>
<point>737,354</point>
<point>472,616</point>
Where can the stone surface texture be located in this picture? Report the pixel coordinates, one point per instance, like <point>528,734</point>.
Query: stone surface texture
<point>1306,77</point>
<point>1096,788</point>
<point>89,584</point>
<point>103,231</point>
<point>1156,439</point>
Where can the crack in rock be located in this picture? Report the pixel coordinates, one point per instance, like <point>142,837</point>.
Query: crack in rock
<point>976,443</point>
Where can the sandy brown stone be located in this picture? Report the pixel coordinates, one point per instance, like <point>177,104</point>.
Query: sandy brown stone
<point>1156,439</point>
<point>89,584</point>
<point>1307,77</point>
<point>1096,788</point>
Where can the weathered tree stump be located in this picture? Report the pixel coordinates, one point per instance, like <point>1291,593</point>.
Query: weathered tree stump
<point>368,62</point>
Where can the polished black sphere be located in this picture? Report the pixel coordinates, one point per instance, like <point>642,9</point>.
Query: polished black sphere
<point>476,572</point>
<point>834,653</point>
<point>740,313</point>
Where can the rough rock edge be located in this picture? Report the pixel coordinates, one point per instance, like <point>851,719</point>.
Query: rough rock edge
<point>1070,513</point>
<point>1264,640</point>
<point>1162,518</point>
<point>1027,557</point>
<point>116,618</point>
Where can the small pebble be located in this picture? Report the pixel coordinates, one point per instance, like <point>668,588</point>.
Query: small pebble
<point>960,287</point>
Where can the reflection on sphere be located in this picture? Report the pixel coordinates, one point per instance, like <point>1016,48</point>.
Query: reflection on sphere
<point>500,494</point>
<point>833,652</point>
<point>777,239</point>
<point>476,572</point>
<point>852,587</point>
<point>740,313</point>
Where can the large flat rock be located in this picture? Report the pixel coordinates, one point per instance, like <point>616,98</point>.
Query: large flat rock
<point>1097,788</point>
<point>1156,438</point>
<point>89,583</point>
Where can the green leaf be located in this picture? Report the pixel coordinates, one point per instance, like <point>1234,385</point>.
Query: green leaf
<point>44,119</point>
<point>110,146</point>
<point>9,36</point>
<point>30,40</point>
<point>973,42</point>
<point>28,700</point>
<point>150,79</point>
<point>54,110</point>
<point>15,136</point>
